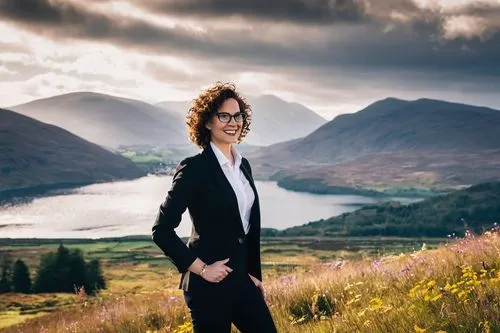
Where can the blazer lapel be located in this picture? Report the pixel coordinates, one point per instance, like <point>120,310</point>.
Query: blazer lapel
<point>223,184</point>
<point>255,212</point>
<point>250,180</point>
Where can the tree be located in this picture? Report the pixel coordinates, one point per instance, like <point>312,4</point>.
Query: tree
<point>67,271</point>
<point>21,281</point>
<point>95,277</point>
<point>46,277</point>
<point>5,277</point>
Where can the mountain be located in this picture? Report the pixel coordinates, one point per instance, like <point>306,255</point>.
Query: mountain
<point>394,125</point>
<point>35,156</point>
<point>392,141</point>
<point>107,120</point>
<point>476,209</point>
<point>273,119</point>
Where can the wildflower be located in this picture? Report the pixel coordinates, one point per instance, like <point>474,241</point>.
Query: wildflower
<point>418,329</point>
<point>375,303</point>
<point>184,328</point>
<point>299,320</point>
<point>289,280</point>
<point>486,326</point>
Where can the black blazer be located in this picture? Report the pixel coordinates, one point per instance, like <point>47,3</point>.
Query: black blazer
<point>200,185</point>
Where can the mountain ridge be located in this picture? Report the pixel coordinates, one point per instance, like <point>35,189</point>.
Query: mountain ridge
<point>273,119</point>
<point>109,120</point>
<point>350,147</point>
<point>36,156</point>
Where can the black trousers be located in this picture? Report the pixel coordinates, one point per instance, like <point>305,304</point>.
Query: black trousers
<point>214,306</point>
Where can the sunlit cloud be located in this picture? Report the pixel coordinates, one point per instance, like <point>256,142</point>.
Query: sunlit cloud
<point>334,57</point>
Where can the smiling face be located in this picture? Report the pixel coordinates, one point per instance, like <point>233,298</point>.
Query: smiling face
<point>226,133</point>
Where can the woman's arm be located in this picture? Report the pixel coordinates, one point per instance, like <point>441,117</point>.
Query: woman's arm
<point>169,216</point>
<point>253,238</point>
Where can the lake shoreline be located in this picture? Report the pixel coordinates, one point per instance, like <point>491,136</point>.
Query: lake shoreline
<point>120,208</point>
<point>27,194</point>
<point>317,186</point>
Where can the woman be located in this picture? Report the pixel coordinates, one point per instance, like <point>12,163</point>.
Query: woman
<point>221,270</point>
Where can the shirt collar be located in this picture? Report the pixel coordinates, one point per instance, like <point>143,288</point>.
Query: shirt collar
<point>222,158</point>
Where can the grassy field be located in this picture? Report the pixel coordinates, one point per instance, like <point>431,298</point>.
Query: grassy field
<point>313,285</point>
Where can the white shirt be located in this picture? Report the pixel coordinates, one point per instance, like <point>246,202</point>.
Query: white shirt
<point>239,183</point>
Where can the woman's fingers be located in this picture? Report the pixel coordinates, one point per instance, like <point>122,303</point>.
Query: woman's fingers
<point>218,271</point>
<point>221,261</point>
<point>222,264</point>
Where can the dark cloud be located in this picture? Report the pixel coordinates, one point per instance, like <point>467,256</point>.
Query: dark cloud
<point>65,20</point>
<point>386,36</point>
<point>40,12</point>
<point>477,8</point>
<point>301,11</point>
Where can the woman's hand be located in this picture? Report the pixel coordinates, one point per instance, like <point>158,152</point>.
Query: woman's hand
<point>257,283</point>
<point>217,271</point>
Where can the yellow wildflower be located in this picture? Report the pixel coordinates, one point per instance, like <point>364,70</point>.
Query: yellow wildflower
<point>418,329</point>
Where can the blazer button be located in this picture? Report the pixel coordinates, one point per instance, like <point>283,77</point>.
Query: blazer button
<point>241,240</point>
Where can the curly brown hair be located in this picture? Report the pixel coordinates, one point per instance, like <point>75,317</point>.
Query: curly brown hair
<point>206,105</point>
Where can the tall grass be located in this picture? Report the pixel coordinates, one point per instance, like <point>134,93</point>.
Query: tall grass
<point>454,288</point>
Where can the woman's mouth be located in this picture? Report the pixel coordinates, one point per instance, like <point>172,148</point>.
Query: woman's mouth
<point>230,132</point>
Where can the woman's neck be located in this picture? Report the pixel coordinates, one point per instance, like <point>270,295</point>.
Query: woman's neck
<point>225,148</point>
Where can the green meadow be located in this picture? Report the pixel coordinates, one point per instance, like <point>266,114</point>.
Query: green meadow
<point>313,284</point>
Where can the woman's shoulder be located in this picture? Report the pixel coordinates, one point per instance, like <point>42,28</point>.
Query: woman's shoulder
<point>190,162</point>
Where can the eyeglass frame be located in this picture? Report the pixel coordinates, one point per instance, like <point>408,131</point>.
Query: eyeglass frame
<point>232,116</point>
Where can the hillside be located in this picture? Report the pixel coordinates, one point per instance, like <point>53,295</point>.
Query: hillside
<point>107,120</point>
<point>35,157</point>
<point>391,143</point>
<point>273,119</point>
<point>394,125</point>
<point>476,208</point>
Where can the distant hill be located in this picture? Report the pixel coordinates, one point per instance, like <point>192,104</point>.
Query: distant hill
<point>35,157</point>
<point>109,121</point>
<point>273,119</point>
<point>394,125</point>
<point>475,208</point>
<point>391,142</point>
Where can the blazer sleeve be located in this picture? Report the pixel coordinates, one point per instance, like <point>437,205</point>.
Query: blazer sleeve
<point>253,253</point>
<point>169,216</point>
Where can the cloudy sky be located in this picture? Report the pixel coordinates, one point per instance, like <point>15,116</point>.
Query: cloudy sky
<point>334,56</point>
